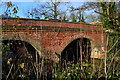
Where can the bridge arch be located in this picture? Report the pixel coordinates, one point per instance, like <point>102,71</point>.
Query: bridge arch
<point>38,47</point>
<point>19,60</point>
<point>95,47</point>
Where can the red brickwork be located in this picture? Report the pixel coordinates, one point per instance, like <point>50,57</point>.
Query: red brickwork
<point>52,36</point>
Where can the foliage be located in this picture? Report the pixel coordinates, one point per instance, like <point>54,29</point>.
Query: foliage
<point>78,13</point>
<point>11,10</point>
<point>93,70</point>
<point>74,72</point>
<point>73,18</point>
<point>109,13</point>
<point>113,58</point>
<point>15,65</point>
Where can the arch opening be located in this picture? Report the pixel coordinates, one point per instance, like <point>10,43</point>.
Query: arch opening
<point>78,50</point>
<point>19,60</point>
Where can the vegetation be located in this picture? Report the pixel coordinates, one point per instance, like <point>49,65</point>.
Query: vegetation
<point>29,66</point>
<point>11,10</point>
<point>50,10</point>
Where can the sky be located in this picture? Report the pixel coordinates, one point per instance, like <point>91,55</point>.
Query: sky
<point>24,6</point>
<point>61,0</point>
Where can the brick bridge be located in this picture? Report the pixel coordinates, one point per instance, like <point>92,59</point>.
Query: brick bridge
<point>50,38</point>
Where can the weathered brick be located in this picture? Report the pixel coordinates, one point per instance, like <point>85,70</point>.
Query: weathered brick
<point>54,41</point>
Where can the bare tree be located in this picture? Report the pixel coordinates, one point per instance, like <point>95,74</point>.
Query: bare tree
<point>11,10</point>
<point>53,9</point>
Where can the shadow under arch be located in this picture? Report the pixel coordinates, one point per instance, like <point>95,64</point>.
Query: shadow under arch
<point>18,60</point>
<point>94,45</point>
<point>17,40</point>
<point>38,47</point>
<point>93,42</point>
<point>78,50</point>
